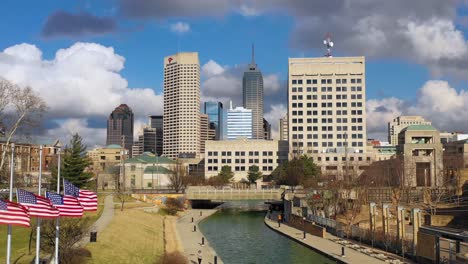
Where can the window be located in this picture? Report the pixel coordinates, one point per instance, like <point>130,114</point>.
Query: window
<point>309,81</point>
<point>323,81</point>
<point>294,81</point>
<point>338,81</point>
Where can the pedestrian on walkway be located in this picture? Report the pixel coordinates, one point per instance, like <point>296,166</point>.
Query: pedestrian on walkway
<point>199,255</point>
<point>279,220</point>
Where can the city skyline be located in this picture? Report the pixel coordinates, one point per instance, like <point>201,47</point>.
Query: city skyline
<point>123,42</point>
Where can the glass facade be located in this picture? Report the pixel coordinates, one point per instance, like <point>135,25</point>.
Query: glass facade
<point>239,123</point>
<point>214,110</point>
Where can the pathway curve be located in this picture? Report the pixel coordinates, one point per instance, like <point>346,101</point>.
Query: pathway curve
<point>103,221</point>
<point>191,241</point>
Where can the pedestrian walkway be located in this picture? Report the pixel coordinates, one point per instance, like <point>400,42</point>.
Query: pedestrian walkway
<point>103,221</point>
<point>323,245</point>
<point>191,240</point>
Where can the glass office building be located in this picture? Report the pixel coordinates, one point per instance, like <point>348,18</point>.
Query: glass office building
<point>214,110</point>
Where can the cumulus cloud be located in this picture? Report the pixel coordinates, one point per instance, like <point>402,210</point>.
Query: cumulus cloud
<point>66,129</point>
<point>248,11</point>
<point>62,23</point>
<point>436,101</point>
<point>180,27</point>
<point>273,115</point>
<point>80,82</point>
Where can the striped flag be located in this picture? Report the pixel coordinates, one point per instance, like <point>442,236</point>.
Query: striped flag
<point>12,213</point>
<point>87,199</point>
<point>37,205</point>
<point>67,205</point>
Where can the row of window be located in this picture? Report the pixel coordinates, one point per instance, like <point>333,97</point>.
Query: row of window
<point>309,120</point>
<point>327,89</point>
<point>326,81</point>
<point>329,144</point>
<point>329,112</point>
<point>327,97</point>
<point>240,168</point>
<point>239,161</point>
<point>240,153</point>
<point>324,128</point>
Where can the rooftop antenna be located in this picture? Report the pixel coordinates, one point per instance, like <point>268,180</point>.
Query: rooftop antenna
<point>329,44</point>
<point>253,54</point>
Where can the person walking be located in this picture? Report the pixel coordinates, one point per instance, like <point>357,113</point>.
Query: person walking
<point>279,220</point>
<point>199,256</point>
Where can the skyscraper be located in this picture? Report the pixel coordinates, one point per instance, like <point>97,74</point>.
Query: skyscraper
<point>252,95</point>
<point>157,122</point>
<point>239,123</point>
<point>401,122</point>
<point>181,129</point>
<point>214,110</point>
<point>327,105</point>
<point>266,130</point>
<point>120,127</point>
<point>283,128</point>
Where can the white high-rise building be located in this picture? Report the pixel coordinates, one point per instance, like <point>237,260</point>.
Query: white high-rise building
<point>400,123</point>
<point>283,128</point>
<point>327,105</point>
<point>181,129</point>
<point>239,123</point>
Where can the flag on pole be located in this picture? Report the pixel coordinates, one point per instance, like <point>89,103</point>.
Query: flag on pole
<point>87,199</point>
<point>12,213</point>
<point>67,205</point>
<point>37,205</point>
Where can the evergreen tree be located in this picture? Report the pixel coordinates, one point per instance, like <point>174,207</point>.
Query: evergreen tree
<point>74,162</point>
<point>254,174</point>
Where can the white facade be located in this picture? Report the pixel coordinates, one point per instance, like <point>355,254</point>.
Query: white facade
<point>241,154</point>
<point>239,123</point>
<point>181,123</point>
<point>400,123</point>
<point>327,105</point>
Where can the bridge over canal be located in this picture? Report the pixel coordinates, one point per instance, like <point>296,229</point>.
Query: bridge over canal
<point>213,194</point>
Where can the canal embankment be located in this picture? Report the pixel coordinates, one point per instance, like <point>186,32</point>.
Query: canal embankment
<point>193,240</point>
<point>325,246</point>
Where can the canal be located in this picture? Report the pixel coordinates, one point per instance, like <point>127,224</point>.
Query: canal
<point>241,237</point>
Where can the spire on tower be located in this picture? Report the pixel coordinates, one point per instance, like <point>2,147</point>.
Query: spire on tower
<point>253,54</point>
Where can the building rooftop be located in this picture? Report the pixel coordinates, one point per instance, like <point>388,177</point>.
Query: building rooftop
<point>113,146</point>
<point>150,158</point>
<point>420,128</point>
<point>157,170</point>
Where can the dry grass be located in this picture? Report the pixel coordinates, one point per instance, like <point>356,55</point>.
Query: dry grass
<point>133,236</point>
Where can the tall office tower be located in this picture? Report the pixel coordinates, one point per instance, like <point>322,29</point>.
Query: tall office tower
<point>206,132</point>
<point>266,130</point>
<point>327,105</point>
<point>239,123</point>
<point>252,95</point>
<point>214,110</point>
<point>137,148</point>
<point>156,122</point>
<point>401,122</point>
<point>181,129</point>
<point>120,127</point>
<point>283,128</point>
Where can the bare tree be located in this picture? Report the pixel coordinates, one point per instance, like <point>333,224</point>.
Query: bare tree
<point>177,177</point>
<point>123,196</point>
<point>20,108</point>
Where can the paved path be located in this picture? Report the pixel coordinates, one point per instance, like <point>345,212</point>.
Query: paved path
<point>103,221</point>
<point>191,241</point>
<point>326,246</point>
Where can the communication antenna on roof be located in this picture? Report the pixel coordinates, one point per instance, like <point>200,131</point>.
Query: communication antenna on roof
<point>329,44</point>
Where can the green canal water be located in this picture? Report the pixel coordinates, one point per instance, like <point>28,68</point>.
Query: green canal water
<point>241,237</point>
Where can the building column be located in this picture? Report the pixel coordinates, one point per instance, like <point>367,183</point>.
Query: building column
<point>401,227</point>
<point>385,223</point>
<point>372,214</point>
<point>416,220</point>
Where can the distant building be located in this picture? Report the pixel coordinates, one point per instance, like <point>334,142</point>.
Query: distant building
<point>241,154</point>
<point>214,110</point>
<point>181,105</point>
<point>283,128</point>
<point>105,164</point>
<point>420,150</point>
<point>156,122</point>
<point>239,123</point>
<point>148,171</point>
<point>120,127</point>
<point>266,130</point>
<point>401,122</point>
<point>252,95</point>
<point>206,133</point>
<point>446,137</point>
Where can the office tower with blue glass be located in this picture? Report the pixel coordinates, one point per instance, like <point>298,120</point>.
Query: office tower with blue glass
<point>239,123</point>
<point>214,110</point>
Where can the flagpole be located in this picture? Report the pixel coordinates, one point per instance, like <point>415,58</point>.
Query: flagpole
<point>57,223</point>
<point>12,171</point>
<point>38,232</point>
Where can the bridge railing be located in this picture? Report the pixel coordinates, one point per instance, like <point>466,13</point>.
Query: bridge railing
<point>211,193</point>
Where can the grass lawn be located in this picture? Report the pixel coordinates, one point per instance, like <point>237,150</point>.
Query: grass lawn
<point>20,238</point>
<point>133,236</point>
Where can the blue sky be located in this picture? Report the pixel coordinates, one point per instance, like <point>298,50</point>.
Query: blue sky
<point>393,39</point>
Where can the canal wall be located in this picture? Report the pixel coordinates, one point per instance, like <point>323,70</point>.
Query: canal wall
<point>193,240</point>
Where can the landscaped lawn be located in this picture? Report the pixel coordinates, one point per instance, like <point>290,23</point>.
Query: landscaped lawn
<point>134,236</point>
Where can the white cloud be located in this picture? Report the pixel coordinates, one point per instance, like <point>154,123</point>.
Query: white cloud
<point>273,116</point>
<point>248,11</point>
<point>65,130</point>
<point>180,27</point>
<point>79,82</point>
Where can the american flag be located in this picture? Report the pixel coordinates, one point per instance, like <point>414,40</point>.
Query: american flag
<point>14,214</point>
<point>37,205</point>
<point>67,205</point>
<point>87,199</point>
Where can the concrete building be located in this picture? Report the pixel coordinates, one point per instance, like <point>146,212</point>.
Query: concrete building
<point>238,123</point>
<point>266,130</point>
<point>214,110</point>
<point>181,130</point>
<point>252,95</point>
<point>420,150</point>
<point>105,164</point>
<point>157,122</point>
<point>148,171</point>
<point>206,133</point>
<point>120,127</point>
<point>327,105</point>
<point>446,137</point>
<point>283,128</point>
<point>401,122</point>
<point>241,154</point>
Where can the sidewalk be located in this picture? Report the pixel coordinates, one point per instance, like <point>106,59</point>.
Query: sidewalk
<point>191,241</point>
<point>323,245</point>
<point>103,221</point>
